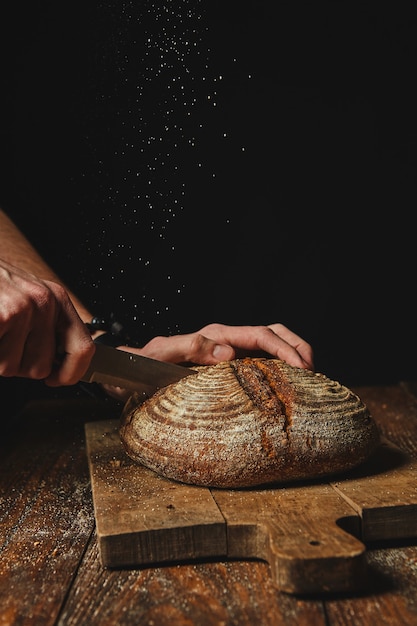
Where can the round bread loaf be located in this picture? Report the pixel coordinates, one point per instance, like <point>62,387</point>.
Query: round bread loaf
<point>249,422</point>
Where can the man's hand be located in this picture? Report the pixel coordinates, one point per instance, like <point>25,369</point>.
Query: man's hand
<point>41,334</point>
<point>219,342</point>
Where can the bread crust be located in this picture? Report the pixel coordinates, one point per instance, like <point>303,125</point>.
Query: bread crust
<point>249,422</point>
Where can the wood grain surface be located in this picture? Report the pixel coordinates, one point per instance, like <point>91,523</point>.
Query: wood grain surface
<point>50,568</point>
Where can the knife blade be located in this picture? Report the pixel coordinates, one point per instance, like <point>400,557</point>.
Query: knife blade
<point>135,372</point>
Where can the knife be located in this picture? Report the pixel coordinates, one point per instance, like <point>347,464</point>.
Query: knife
<point>132,371</point>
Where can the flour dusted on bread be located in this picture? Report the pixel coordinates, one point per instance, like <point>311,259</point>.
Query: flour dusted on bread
<point>249,422</point>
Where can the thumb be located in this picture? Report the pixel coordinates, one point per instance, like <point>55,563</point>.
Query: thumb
<point>222,352</point>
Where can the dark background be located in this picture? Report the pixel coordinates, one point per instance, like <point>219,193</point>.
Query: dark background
<point>321,229</point>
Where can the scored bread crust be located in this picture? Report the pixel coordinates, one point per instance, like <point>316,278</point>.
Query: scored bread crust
<point>249,422</point>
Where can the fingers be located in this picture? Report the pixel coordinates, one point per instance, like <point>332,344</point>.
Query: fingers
<point>74,343</point>
<point>219,342</point>
<point>304,349</point>
<point>37,319</point>
<point>275,339</point>
<point>26,309</point>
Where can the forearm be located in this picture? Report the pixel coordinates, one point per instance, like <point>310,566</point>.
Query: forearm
<point>17,250</point>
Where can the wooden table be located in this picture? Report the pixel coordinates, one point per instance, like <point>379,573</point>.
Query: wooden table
<point>50,568</point>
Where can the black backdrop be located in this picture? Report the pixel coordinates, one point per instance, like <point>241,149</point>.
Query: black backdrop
<point>242,162</point>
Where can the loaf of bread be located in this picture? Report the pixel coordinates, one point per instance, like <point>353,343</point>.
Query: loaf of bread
<point>249,422</point>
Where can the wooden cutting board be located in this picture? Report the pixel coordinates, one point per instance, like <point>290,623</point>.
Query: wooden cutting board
<point>312,535</point>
